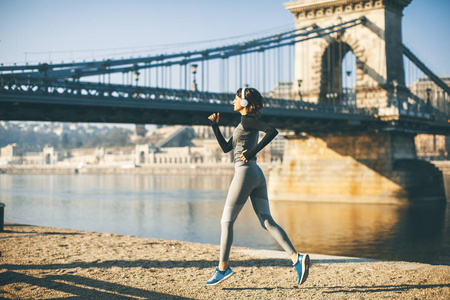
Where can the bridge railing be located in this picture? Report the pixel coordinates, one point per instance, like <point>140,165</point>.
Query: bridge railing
<point>404,103</point>
<point>78,89</point>
<point>412,105</point>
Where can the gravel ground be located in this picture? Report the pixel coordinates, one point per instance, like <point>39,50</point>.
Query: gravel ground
<point>45,263</point>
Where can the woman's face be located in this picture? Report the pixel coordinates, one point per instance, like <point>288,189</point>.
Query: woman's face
<point>237,104</point>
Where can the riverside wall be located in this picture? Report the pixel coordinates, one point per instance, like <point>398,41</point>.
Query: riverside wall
<point>118,170</point>
<point>161,169</point>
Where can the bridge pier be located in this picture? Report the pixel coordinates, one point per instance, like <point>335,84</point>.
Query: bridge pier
<point>355,167</point>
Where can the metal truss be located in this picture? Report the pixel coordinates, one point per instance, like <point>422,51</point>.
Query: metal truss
<point>148,96</point>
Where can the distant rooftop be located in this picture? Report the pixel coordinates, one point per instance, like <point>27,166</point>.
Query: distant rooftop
<point>443,77</point>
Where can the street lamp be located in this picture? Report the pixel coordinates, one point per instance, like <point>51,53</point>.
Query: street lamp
<point>428,96</point>
<point>136,77</point>
<point>347,81</point>
<point>194,83</point>
<point>299,82</point>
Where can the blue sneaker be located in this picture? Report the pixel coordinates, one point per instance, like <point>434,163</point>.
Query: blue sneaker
<point>302,267</point>
<point>219,276</point>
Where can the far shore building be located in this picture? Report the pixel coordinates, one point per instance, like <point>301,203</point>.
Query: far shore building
<point>10,154</point>
<point>283,90</point>
<point>427,90</point>
<point>51,156</point>
<point>33,158</point>
<point>167,145</point>
<point>431,146</point>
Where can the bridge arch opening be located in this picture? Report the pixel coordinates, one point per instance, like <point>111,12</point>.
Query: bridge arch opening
<point>349,79</point>
<point>338,74</point>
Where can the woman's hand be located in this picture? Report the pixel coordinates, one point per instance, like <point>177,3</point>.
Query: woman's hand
<point>243,157</point>
<point>214,117</point>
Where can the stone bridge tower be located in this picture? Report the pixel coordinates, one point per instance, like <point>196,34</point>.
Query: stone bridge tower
<point>360,165</point>
<point>377,46</point>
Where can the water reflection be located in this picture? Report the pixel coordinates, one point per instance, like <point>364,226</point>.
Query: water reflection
<point>189,208</point>
<point>412,233</point>
<point>170,207</point>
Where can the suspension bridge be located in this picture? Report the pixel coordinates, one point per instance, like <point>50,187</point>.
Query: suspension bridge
<point>342,80</point>
<point>175,88</point>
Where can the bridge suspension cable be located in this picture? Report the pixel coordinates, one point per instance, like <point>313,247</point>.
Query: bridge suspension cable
<point>424,91</point>
<point>85,69</point>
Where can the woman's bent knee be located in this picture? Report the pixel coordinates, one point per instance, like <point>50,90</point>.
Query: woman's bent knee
<point>266,221</point>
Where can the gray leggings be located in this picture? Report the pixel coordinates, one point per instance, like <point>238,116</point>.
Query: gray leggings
<point>248,181</point>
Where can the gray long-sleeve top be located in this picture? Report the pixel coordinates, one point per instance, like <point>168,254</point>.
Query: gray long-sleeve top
<point>245,137</point>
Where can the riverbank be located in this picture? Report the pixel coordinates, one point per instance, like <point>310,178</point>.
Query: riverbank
<point>43,262</point>
<point>157,169</point>
<point>166,169</point>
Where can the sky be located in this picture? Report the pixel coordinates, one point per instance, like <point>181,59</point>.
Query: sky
<point>35,30</point>
<point>66,30</point>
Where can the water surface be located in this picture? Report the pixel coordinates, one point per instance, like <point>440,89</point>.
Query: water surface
<point>189,208</point>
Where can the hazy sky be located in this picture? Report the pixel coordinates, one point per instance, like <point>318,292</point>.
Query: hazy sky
<point>79,27</point>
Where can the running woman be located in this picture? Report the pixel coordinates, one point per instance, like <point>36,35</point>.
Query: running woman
<point>249,181</point>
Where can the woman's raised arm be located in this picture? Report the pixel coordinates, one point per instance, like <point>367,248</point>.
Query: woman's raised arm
<point>226,146</point>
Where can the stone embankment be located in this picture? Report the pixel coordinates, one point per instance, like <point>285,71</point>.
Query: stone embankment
<point>46,263</point>
<point>168,169</point>
<point>443,165</point>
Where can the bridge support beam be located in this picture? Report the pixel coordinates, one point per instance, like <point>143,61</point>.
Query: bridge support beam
<point>377,168</point>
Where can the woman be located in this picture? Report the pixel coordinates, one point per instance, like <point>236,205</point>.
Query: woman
<point>248,181</point>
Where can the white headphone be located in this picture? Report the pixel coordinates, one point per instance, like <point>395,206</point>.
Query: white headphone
<point>244,101</point>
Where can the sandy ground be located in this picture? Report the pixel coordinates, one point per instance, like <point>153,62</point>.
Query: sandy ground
<point>46,263</point>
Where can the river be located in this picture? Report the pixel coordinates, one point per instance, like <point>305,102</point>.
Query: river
<point>188,208</point>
